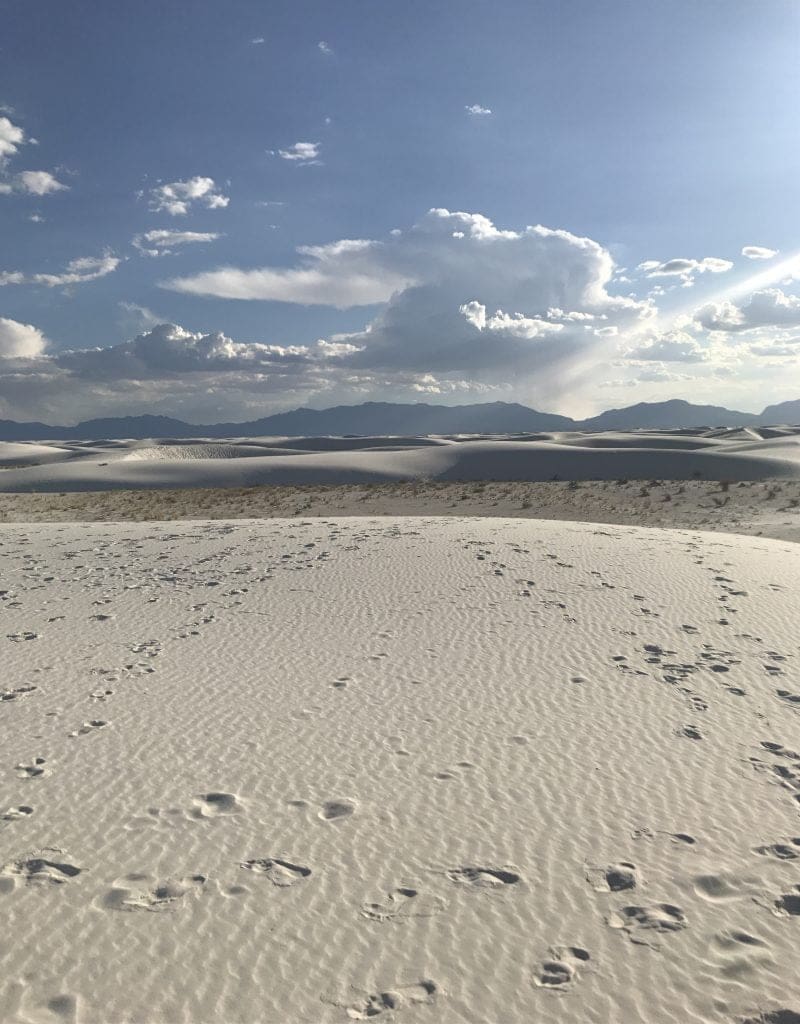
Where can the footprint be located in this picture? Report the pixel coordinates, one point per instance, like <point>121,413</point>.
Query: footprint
<point>279,872</point>
<point>614,877</point>
<point>215,805</point>
<point>34,770</point>
<point>402,903</point>
<point>560,969</point>
<point>659,918</point>
<point>423,993</point>
<point>142,892</point>
<point>87,727</point>
<point>788,905</point>
<point>483,878</point>
<point>789,850</point>
<point>333,810</point>
<point>13,813</point>
<point>38,870</point>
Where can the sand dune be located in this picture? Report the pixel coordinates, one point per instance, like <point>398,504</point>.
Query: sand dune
<point>712,455</point>
<point>451,770</point>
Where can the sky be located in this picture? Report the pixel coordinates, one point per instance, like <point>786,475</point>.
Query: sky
<point>220,211</point>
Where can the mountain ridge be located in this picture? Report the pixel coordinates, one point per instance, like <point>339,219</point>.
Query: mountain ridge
<point>396,418</point>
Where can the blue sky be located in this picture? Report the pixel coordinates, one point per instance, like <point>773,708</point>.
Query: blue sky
<point>157,143</point>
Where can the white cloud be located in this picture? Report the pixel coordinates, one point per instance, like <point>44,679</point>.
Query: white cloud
<point>20,341</point>
<point>768,308</point>
<point>39,183</point>
<point>257,41</point>
<point>685,269</point>
<point>162,242</point>
<point>177,197</point>
<point>37,218</point>
<point>758,252</point>
<point>323,47</point>
<point>11,138</point>
<point>77,271</point>
<point>301,153</point>
<point>476,110</point>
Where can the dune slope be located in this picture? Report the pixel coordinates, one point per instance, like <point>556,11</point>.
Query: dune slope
<point>424,770</point>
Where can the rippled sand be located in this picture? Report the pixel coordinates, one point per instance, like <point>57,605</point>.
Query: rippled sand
<point>431,770</point>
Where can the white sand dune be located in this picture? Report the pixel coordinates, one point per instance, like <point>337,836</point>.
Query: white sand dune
<point>413,770</point>
<point>681,455</point>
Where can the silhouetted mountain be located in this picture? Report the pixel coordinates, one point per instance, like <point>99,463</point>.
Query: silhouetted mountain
<point>784,412</point>
<point>665,415</point>
<point>377,418</point>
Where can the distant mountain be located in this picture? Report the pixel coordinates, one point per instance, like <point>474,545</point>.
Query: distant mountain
<point>673,414</point>
<point>784,412</point>
<point>376,418</point>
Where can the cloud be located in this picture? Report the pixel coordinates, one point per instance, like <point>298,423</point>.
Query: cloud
<point>35,183</point>
<point>674,347</point>
<point>463,307</point>
<point>685,269</point>
<point>476,110</point>
<point>758,252</point>
<point>768,308</point>
<point>301,153</point>
<point>342,274</point>
<point>257,41</point>
<point>77,271</point>
<point>162,242</point>
<point>323,47</point>
<point>11,138</point>
<point>177,197</point>
<point>20,341</point>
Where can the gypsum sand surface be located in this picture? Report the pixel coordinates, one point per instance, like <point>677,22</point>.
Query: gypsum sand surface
<point>425,770</point>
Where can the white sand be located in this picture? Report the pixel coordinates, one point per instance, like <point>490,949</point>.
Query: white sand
<point>97,465</point>
<point>431,770</point>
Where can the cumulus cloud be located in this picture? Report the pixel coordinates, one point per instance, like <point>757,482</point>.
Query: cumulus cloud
<point>758,252</point>
<point>461,296</point>
<point>301,153</point>
<point>163,242</point>
<point>476,110</point>
<point>768,308</point>
<point>685,269</point>
<point>177,197</point>
<point>323,47</point>
<point>77,271</point>
<point>11,138</point>
<point>464,307</point>
<point>20,341</point>
<point>39,183</point>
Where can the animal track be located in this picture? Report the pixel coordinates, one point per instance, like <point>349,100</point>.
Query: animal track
<point>560,969</point>
<point>15,693</point>
<point>614,878</point>
<point>483,878</point>
<point>402,903</point>
<point>423,993</point>
<point>141,892</point>
<point>280,872</point>
<point>637,922</point>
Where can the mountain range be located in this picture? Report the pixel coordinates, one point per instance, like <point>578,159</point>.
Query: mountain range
<point>389,418</point>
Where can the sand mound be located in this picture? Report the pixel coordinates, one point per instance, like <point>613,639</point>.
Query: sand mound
<point>413,769</point>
